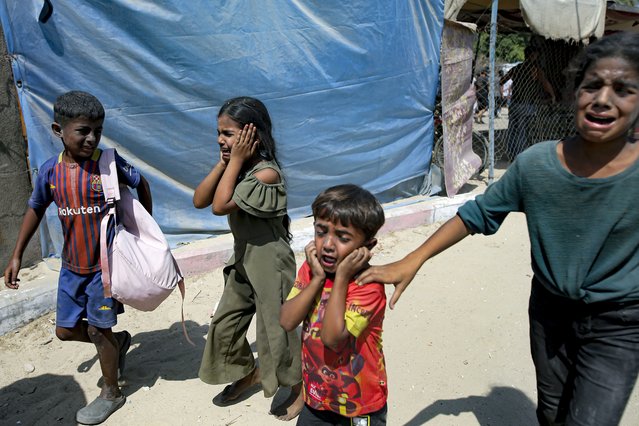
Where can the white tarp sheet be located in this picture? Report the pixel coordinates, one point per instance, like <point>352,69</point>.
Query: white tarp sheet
<point>565,19</point>
<point>575,20</point>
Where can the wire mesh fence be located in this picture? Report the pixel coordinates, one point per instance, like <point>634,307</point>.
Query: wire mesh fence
<point>533,97</point>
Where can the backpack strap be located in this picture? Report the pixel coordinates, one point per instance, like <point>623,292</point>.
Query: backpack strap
<point>183,294</point>
<point>111,190</point>
<point>109,175</point>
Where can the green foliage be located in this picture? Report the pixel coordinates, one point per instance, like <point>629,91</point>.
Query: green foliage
<point>509,47</point>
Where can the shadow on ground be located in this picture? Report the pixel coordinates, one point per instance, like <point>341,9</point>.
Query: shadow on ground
<point>503,406</point>
<point>54,399</point>
<point>159,354</point>
<point>48,399</point>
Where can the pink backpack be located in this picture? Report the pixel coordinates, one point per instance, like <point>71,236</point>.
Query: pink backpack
<point>138,268</point>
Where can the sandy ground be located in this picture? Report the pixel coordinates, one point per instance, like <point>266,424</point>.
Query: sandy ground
<point>456,348</point>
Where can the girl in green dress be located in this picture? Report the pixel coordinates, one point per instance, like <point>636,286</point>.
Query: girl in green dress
<point>247,185</point>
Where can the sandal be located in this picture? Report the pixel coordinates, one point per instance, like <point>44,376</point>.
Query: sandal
<point>99,410</point>
<point>224,398</point>
<point>231,395</point>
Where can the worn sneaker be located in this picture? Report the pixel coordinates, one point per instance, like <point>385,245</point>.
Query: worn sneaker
<point>99,410</point>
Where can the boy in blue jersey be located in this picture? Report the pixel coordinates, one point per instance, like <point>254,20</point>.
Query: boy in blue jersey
<point>72,181</point>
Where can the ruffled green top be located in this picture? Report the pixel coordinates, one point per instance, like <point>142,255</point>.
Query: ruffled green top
<point>258,198</point>
<point>262,207</point>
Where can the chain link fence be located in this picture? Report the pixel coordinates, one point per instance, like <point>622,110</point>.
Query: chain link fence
<point>534,97</point>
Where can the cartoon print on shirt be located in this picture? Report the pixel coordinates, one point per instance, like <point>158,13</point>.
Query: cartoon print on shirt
<point>338,387</point>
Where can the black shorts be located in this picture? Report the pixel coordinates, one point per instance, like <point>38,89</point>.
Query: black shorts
<point>312,417</point>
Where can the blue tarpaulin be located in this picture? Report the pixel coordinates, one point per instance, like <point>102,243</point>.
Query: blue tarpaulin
<point>350,87</point>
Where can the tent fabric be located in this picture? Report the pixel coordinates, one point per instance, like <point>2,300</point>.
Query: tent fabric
<point>458,97</point>
<point>565,19</point>
<point>452,8</point>
<point>554,19</point>
<point>350,87</point>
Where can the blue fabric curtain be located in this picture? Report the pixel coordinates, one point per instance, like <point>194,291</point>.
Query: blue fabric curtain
<point>350,87</point>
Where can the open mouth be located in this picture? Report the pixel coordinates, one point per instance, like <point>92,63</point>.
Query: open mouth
<point>328,261</point>
<point>600,120</point>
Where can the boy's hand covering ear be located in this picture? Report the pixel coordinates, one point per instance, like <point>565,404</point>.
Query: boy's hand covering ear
<point>313,261</point>
<point>353,263</point>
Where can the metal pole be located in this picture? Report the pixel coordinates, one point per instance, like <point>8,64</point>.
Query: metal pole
<point>491,97</point>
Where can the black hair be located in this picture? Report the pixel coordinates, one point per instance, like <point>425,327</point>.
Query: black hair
<point>74,104</point>
<point>245,110</point>
<point>350,205</point>
<point>623,44</point>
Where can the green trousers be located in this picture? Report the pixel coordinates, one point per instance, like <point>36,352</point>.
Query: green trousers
<point>228,356</point>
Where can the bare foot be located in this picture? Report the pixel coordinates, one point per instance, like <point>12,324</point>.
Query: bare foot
<point>237,388</point>
<point>293,405</point>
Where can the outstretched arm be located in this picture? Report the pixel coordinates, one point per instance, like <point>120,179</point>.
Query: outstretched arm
<point>29,225</point>
<point>334,330</point>
<point>294,310</point>
<point>144,195</point>
<point>402,272</point>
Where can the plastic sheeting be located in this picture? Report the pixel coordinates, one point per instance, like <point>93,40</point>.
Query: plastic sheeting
<point>565,19</point>
<point>576,20</point>
<point>350,87</point>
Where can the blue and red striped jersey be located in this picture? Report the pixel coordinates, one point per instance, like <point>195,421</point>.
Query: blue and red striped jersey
<point>76,189</point>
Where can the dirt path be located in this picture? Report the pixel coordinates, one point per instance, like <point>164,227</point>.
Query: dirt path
<point>456,349</point>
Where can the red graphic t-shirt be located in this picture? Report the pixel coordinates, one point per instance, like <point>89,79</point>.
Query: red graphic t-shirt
<point>351,382</point>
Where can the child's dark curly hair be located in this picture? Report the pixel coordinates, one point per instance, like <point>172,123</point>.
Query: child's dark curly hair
<point>350,205</point>
<point>74,104</point>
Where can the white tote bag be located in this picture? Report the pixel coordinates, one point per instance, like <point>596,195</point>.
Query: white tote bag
<point>138,268</point>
